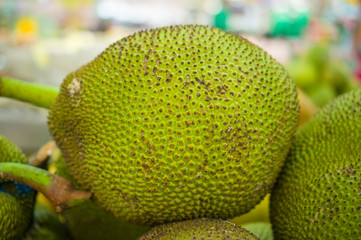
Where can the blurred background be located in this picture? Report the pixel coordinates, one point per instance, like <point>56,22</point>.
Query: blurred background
<point>318,41</point>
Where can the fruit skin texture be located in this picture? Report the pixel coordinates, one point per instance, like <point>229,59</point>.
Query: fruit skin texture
<point>16,199</point>
<point>203,228</point>
<point>176,123</point>
<point>317,195</point>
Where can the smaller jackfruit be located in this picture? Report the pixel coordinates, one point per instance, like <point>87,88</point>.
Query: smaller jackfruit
<point>317,195</point>
<point>202,228</point>
<point>16,199</point>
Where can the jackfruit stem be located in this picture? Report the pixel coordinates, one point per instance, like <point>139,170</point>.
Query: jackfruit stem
<point>58,190</point>
<point>37,94</point>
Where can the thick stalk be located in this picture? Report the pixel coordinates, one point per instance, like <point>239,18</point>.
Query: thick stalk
<point>34,93</point>
<point>58,190</point>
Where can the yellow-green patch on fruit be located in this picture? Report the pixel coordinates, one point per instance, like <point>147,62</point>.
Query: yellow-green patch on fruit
<point>176,123</point>
<point>317,195</point>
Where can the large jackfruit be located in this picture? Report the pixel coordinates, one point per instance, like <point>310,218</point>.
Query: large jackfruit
<point>176,123</point>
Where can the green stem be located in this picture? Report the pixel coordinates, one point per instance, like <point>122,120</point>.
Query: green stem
<point>34,93</point>
<point>58,190</point>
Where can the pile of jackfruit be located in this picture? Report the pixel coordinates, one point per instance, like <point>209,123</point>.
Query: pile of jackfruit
<point>185,132</point>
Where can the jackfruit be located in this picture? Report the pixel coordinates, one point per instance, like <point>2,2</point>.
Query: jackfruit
<point>317,195</point>
<point>16,199</point>
<point>205,229</point>
<point>88,221</point>
<point>176,123</point>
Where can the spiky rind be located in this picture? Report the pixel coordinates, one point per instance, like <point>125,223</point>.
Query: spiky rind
<point>177,123</point>
<point>10,221</point>
<point>317,195</point>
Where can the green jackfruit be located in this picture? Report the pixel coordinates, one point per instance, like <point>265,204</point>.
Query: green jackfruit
<point>205,229</point>
<point>317,195</point>
<point>176,123</point>
<point>16,199</point>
